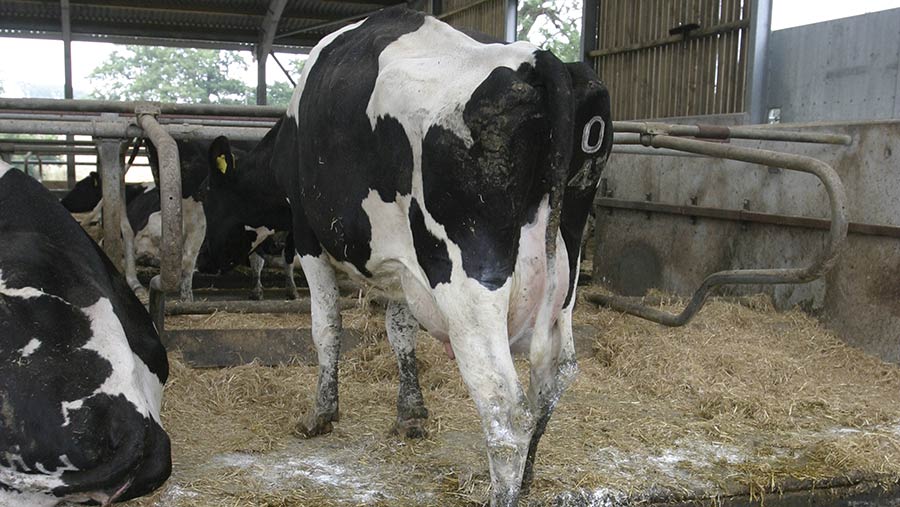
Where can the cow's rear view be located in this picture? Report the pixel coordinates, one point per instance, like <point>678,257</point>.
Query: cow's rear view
<point>81,364</point>
<point>456,176</point>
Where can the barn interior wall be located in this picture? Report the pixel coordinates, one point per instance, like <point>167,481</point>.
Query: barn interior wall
<point>859,298</point>
<point>837,70</point>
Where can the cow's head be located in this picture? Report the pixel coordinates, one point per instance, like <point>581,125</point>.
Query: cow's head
<point>227,240</point>
<point>84,195</point>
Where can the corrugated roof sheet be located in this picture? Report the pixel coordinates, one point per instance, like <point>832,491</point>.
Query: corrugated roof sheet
<point>228,24</point>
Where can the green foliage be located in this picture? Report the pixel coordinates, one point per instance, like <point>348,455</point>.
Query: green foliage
<point>170,75</point>
<point>552,24</point>
<point>193,76</point>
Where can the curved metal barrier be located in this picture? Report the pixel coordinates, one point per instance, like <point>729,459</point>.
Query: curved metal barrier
<point>651,136</point>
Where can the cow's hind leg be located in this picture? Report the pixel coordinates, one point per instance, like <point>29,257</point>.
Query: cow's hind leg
<point>256,266</point>
<point>480,342</point>
<point>130,267</point>
<point>194,232</point>
<point>289,254</point>
<point>401,330</point>
<point>553,368</point>
<point>326,330</point>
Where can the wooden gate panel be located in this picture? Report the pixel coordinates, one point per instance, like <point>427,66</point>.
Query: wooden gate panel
<point>654,73</point>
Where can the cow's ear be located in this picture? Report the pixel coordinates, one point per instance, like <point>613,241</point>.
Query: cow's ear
<point>95,178</point>
<point>221,160</point>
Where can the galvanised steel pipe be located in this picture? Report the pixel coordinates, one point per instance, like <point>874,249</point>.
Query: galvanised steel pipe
<point>171,242</point>
<point>126,129</point>
<point>821,265</point>
<point>112,106</point>
<point>717,132</point>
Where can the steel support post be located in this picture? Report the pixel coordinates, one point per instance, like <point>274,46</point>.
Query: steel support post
<point>113,187</point>
<point>757,49</point>
<point>511,20</point>
<point>68,91</point>
<point>590,20</point>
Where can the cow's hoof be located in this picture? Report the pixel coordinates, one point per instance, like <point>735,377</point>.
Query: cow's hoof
<point>292,294</point>
<point>256,295</point>
<point>188,297</point>
<point>410,428</point>
<point>320,425</point>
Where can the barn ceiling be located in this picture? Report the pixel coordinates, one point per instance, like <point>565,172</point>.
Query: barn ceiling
<point>222,24</point>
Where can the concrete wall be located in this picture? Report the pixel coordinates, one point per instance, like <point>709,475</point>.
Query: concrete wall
<point>837,70</point>
<point>860,298</point>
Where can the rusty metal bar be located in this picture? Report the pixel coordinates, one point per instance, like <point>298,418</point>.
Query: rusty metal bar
<point>113,106</point>
<point>123,128</point>
<point>739,215</point>
<point>301,305</point>
<point>170,197</point>
<point>112,178</point>
<point>718,132</point>
<point>824,261</point>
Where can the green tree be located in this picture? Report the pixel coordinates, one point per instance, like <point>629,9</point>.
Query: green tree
<point>279,93</point>
<point>170,75</point>
<point>554,25</point>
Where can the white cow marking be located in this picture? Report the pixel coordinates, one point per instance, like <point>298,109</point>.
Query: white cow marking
<point>30,347</point>
<point>262,233</point>
<point>28,482</point>
<point>130,376</point>
<point>427,77</point>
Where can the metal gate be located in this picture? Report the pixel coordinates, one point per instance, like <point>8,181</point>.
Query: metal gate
<point>665,58</point>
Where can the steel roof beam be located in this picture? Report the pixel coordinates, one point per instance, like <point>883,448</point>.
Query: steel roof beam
<point>266,38</point>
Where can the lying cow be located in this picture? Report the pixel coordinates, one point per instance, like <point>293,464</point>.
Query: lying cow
<point>245,210</point>
<point>145,219</point>
<point>456,176</point>
<point>81,365</point>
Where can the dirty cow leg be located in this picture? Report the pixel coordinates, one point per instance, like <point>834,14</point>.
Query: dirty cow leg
<point>480,342</point>
<point>290,258</point>
<point>553,368</point>
<point>256,266</point>
<point>326,330</point>
<point>194,231</point>
<point>401,330</point>
<point>130,268</point>
<point>290,286</point>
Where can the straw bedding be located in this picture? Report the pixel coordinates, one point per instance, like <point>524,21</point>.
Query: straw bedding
<point>743,400</point>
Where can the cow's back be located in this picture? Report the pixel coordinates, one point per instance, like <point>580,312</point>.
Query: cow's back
<point>405,120</point>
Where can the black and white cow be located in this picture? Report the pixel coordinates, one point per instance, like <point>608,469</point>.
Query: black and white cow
<point>145,218</point>
<point>246,211</point>
<point>456,176</point>
<point>88,192</point>
<point>81,365</point>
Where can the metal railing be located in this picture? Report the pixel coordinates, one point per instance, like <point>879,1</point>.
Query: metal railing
<point>664,137</point>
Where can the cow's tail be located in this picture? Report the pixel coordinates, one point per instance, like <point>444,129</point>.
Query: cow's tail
<point>555,78</point>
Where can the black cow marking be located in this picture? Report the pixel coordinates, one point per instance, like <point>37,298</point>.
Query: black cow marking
<point>431,252</point>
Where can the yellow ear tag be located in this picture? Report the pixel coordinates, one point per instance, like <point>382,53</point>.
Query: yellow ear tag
<point>222,164</point>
